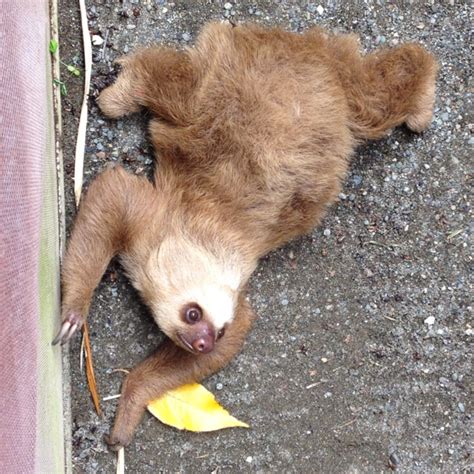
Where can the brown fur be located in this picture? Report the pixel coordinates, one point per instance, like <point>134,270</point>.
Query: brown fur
<point>254,129</point>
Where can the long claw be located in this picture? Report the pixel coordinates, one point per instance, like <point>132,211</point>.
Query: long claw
<point>62,332</point>
<point>69,334</point>
<point>71,323</point>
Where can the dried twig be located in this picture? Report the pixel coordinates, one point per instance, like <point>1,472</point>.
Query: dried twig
<point>111,397</point>
<point>454,233</point>
<point>389,245</point>
<point>121,461</point>
<point>81,132</point>
<point>90,371</point>
<point>345,424</point>
<point>125,371</point>
<point>105,44</point>
<point>81,355</point>
<point>78,176</point>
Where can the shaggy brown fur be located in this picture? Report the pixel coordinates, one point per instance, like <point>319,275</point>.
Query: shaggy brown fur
<point>253,129</point>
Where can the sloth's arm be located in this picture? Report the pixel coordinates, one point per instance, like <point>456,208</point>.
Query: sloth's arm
<point>158,78</point>
<point>104,226</point>
<point>170,367</point>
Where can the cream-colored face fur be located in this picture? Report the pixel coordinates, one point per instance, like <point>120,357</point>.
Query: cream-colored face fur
<point>182,273</point>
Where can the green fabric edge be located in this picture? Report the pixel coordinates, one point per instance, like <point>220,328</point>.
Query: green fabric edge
<point>50,435</point>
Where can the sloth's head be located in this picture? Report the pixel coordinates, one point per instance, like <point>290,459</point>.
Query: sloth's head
<point>194,294</point>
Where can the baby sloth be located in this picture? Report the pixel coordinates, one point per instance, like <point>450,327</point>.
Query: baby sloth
<point>253,129</point>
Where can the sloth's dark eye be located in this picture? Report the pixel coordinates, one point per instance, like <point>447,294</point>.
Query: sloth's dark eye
<point>220,333</point>
<point>193,314</point>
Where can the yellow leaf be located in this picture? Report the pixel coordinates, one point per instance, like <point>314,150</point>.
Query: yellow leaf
<point>192,407</point>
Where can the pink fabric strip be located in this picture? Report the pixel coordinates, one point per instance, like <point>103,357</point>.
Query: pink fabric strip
<point>23,112</point>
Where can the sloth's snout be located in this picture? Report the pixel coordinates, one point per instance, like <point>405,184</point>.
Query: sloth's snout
<point>204,344</point>
<point>200,338</point>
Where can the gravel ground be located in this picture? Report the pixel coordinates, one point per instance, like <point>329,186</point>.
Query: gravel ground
<point>360,360</point>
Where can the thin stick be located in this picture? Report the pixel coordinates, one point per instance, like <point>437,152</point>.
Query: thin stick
<point>81,356</point>
<point>345,424</point>
<point>78,178</point>
<point>90,371</point>
<point>81,132</point>
<point>105,44</point>
<point>121,461</point>
<point>454,233</point>
<point>111,397</point>
<point>125,371</point>
<point>379,244</point>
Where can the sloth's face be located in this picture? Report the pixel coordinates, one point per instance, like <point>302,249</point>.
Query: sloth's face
<point>196,318</point>
<point>199,333</point>
<point>194,296</point>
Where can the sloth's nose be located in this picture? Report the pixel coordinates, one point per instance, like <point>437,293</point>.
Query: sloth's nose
<point>202,337</point>
<point>204,344</point>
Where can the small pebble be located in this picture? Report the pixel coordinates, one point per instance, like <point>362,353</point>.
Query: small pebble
<point>398,332</point>
<point>430,320</point>
<point>323,360</point>
<point>219,386</point>
<point>356,180</point>
<point>186,36</point>
<point>326,233</point>
<point>97,40</point>
<point>461,407</point>
<point>249,459</point>
<point>320,9</point>
<point>394,460</point>
<point>443,381</point>
<point>228,6</point>
<point>284,302</point>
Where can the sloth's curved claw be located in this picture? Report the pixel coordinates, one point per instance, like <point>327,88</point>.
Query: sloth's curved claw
<point>70,325</point>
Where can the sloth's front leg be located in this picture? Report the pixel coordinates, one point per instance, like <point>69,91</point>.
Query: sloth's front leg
<point>108,219</point>
<point>169,368</point>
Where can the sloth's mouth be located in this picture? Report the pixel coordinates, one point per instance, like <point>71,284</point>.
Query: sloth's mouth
<point>186,343</point>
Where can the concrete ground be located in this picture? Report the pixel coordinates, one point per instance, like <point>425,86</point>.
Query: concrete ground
<point>360,360</point>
